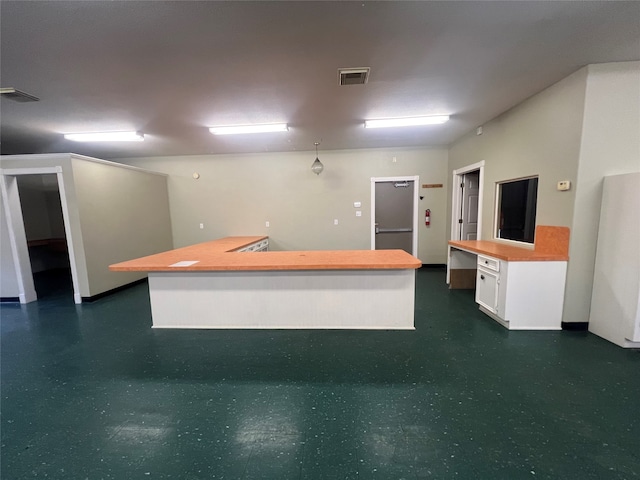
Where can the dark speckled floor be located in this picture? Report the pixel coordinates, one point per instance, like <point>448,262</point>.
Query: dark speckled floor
<point>93,392</point>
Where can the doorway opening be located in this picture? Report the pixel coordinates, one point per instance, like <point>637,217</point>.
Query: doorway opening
<point>394,213</point>
<point>39,232</point>
<point>467,190</point>
<point>43,220</point>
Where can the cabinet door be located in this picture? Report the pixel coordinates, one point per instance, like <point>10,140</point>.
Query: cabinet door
<point>487,289</point>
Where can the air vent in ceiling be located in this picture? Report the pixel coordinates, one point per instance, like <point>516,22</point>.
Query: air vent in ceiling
<point>353,76</point>
<point>16,95</point>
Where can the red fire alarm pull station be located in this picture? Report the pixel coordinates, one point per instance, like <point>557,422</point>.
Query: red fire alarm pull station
<point>427,217</point>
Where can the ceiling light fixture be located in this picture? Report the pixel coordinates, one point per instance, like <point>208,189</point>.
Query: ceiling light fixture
<point>317,165</point>
<point>406,122</point>
<point>258,128</point>
<point>17,96</point>
<point>105,137</point>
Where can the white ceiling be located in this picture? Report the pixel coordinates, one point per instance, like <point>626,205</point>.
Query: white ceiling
<point>169,69</point>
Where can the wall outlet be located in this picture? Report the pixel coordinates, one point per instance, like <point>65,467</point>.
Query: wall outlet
<point>335,221</point>
<point>266,224</point>
<point>201,226</point>
<point>564,185</point>
<point>358,213</point>
<point>357,204</point>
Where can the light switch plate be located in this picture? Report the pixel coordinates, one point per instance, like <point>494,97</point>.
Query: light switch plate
<point>357,204</point>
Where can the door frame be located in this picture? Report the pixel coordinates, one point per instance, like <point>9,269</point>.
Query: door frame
<point>456,197</point>
<point>416,187</point>
<point>17,235</point>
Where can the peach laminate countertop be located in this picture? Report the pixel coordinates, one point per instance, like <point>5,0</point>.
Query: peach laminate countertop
<point>221,255</point>
<point>551,244</point>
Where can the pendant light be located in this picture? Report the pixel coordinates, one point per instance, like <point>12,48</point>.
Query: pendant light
<point>317,166</point>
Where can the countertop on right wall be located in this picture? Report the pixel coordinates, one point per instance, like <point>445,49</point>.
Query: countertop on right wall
<point>551,244</point>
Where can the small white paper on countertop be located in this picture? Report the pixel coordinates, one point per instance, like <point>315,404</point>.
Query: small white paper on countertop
<point>185,263</point>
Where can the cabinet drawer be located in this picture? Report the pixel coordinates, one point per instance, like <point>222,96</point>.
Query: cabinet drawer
<point>489,263</point>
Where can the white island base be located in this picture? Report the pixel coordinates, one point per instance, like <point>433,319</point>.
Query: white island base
<point>307,299</point>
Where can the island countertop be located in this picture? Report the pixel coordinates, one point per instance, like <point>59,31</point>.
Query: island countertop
<point>222,255</point>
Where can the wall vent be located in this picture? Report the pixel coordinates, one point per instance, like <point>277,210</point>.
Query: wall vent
<point>353,76</point>
<point>16,95</point>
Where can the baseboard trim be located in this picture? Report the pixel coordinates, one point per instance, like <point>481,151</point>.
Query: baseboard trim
<point>9,299</point>
<point>575,326</point>
<point>93,298</point>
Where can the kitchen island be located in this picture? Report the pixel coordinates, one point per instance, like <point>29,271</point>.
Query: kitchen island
<point>227,283</point>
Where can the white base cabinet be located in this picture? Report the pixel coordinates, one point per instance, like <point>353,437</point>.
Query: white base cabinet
<point>298,299</point>
<point>522,295</point>
<point>261,246</point>
<point>488,283</point>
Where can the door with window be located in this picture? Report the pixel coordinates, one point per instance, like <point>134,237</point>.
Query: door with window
<point>394,215</point>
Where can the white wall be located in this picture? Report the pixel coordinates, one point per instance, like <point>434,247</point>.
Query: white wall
<point>610,146</point>
<point>63,162</point>
<point>237,194</point>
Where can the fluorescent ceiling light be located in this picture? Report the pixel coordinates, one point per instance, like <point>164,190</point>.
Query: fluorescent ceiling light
<point>17,96</point>
<point>105,137</point>
<point>263,128</point>
<point>405,122</point>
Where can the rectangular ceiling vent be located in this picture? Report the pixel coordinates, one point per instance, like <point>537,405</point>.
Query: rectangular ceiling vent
<point>16,95</point>
<point>353,76</point>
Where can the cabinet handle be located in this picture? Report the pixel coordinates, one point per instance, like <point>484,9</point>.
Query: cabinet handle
<point>486,262</point>
<point>481,277</point>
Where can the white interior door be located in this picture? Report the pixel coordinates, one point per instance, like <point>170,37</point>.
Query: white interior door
<point>469,214</point>
<point>466,201</point>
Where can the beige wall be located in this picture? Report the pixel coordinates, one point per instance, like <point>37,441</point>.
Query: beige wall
<point>124,214</point>
<point>116,213</point>
<point>54,210</point>
<point>580,129</point>
<point>36,208</point>
<point>237,194</point>
<point>610,146</point>
<point>541,136</point>
<point>8,279</point>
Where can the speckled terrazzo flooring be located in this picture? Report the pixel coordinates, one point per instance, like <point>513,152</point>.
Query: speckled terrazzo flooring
<point>93,392</point>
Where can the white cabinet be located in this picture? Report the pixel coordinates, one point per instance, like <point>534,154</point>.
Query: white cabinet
<point>261,246</point>
<point>615,301</point>
<point>487,283</point>
<point>522,295</point>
